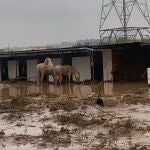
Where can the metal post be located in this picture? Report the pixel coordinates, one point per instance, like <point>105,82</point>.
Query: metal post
<point>123,10</point>
<point>93,63</point>
<point>125,20</point>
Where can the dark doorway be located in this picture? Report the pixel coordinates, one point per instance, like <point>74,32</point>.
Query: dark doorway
<point>66,60</point>
<point>22,69</point>
<point>97,66</point>
<point>4,71</point>
<point>130,64</point>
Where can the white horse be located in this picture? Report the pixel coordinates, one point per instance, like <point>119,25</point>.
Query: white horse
<point>45,69</point>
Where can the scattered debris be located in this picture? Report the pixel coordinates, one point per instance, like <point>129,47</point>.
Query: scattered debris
<point>35,120</point>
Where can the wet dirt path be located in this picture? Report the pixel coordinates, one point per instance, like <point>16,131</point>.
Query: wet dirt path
<point>67,117</point>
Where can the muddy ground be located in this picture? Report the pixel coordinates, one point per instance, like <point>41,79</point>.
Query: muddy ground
<point>68,117</point>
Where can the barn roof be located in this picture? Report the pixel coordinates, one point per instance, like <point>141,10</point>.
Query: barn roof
<point>58,52</point>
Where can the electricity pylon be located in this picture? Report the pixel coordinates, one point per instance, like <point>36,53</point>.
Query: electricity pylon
<point>123,10</point>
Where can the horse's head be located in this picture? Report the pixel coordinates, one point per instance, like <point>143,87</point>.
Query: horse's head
<point>48,61</point>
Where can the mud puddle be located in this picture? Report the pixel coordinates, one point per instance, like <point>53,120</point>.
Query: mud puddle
<point>68,118</point>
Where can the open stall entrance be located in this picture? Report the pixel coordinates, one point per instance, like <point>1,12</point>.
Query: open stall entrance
<point>22,64</point>
<point>4,71</point>
<point>66,60</point>
<point>130,64</point>
<point>97,65</point>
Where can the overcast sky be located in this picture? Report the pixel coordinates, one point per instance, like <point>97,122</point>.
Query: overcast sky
<point>40,22</point>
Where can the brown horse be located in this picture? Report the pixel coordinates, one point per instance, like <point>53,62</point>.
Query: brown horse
<point>67,71</point>
<point>45,69</point>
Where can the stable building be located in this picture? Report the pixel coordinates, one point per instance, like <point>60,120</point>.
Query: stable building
<point>116,62</point>
<point>22,64</point>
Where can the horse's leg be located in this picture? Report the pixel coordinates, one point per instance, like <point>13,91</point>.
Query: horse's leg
<point>69,78</point>
<point>47,78</point>
<point>42,76</point>
<point>60,79</point>
<point>55,79</point>
<point>70,92</point>
<point>66,79</point>
<point>38,77</point>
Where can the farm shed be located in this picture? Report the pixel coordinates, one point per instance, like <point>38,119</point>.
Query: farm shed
<point>116,62</point>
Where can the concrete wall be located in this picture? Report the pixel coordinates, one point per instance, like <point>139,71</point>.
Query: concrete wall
<point>82,64</point>
<point>12,72</point>
<point>107,64</point>
<point>31,69</point>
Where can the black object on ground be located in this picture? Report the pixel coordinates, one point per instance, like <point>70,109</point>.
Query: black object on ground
<point>100,102</point>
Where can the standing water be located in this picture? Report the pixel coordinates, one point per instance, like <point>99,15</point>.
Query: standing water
<point>66,117</point>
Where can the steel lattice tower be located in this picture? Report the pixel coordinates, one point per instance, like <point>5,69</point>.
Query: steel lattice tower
<point>124,10</point>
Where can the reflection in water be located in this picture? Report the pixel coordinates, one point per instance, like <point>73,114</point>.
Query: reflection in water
<point>86,90</point>
<point>70,90</point>
<point>4,92</point>
<point>75,90</point>
<point>108,88</point>
<point>149,93</point>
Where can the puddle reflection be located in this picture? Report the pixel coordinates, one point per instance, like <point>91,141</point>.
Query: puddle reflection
<point>75,90</point>
<point>108,89</point>
<point>149,92</point>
